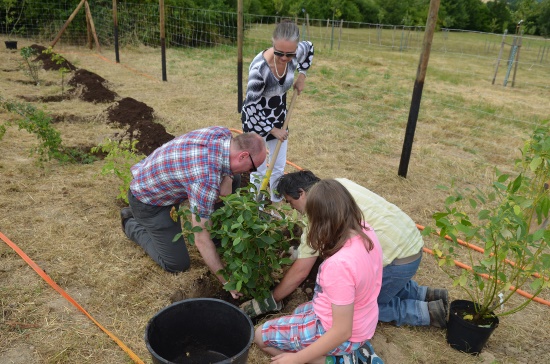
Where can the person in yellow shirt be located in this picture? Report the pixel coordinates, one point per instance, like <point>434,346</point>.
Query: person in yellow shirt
<point>401,301</point>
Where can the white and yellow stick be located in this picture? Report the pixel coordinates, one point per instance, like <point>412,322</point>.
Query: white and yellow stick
<point>273,158</point>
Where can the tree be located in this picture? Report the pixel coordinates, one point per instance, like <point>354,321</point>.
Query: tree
<point>543,19</point>
<point>528,11</point>
<point>479,15</point>
<point>394,10</point>
<point>500,12</point>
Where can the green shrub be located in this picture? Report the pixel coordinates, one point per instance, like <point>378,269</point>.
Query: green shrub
<point>59,60</point>
<point>509,220</point>
<point>39,123</point>
<point>254,243</point>
<point>121,156</point>
<point>32,67</point>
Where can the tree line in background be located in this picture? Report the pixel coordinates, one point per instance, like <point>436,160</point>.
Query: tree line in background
<point>476,15</point>
<point>485,16</point>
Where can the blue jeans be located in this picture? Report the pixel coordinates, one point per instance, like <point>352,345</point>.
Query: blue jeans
<point>401,299</point>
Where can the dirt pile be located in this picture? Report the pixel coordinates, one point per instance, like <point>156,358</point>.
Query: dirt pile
<point>128,111</point>
<point>135,116</point>
<point>138,117</point>
<point>93,87</point>
<point>47,62</point>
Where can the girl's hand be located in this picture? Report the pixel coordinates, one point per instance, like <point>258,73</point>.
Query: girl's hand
<point>285,358</point>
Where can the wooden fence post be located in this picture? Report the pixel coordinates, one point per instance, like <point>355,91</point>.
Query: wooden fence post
<point>418,86</point>
<point>240,55</point>
<point>115,23</point>
<point>67,23</point>
<point>88,33</point>
<point>340,35</point>
<point>517,59</point>
<point>307,26</point>
<point>162,40</point>
<point>89,15</point>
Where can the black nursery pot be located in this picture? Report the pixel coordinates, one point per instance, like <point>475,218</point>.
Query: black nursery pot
<point>11,44</point>
<point>199,331</point>
<point>462,334</point>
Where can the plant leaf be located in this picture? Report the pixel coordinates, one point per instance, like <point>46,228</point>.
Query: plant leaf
<point>535,163</point>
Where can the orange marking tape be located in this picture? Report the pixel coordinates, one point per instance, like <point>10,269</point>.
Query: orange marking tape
<point>55,286</point>
<point>512,288</point>
<point>466,244</point>
<point>481,250</point>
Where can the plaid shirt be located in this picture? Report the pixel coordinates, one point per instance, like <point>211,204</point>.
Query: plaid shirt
<point>190,166</point>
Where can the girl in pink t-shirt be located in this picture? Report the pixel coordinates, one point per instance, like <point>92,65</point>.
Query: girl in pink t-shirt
<point>336,325</point>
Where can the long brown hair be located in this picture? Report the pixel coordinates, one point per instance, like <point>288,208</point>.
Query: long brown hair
<point>333,214</point>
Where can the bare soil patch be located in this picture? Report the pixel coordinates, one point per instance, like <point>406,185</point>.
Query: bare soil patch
<point>94,88</point>
<point>53,98</point>
<point>137,118</point>
<point>47,63</point>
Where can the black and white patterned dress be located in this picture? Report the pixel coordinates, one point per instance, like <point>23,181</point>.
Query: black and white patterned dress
<point>264,107</point>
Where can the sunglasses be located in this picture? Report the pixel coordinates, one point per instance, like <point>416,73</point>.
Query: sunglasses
<point>254,169</point>
<point>284,54</point>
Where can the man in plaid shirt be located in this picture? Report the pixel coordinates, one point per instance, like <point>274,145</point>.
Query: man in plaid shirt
<point>197,166</point>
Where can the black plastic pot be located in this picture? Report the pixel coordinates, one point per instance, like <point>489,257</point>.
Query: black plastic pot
<point>462,334</point>
<point>199,331</point>
<point>11,44</point>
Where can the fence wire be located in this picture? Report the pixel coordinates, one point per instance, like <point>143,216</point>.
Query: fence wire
<point>475,57</point>
<point>138,24</point>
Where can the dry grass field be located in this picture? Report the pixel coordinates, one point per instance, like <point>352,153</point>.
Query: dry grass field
<point>349,122</point>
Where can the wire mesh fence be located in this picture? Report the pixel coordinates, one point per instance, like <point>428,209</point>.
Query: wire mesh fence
<point>139,24</point>
<point>382,59</point>
<point>188,27</point>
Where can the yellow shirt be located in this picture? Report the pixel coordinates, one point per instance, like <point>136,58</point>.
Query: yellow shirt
<point>396,231</point>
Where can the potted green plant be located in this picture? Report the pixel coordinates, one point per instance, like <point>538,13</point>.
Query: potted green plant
<point>253,236</point>
<point>508,220</point>
<point>11,20</point>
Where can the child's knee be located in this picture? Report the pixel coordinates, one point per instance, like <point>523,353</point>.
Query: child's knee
<point>258,338</point>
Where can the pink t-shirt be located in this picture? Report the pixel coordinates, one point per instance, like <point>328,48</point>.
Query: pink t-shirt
<point>352,275</point>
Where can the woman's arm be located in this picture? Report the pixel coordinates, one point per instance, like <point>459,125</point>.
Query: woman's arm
<point>300,83</point>
<point>305,57</point>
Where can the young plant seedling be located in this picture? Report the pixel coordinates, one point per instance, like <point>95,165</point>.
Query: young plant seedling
<point>33,67</point>
<point>59,60</point>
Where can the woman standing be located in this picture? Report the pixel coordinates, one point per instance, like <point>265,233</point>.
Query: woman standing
<point>271,74</point>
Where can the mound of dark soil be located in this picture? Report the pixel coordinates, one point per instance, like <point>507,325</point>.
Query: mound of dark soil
<point>128,111</point>
<point>150,136</point>
<point>94,89</point>
<point>47,62</point>
<point>138,117</point>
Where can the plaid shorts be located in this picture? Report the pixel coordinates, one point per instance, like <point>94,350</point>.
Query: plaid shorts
<point>299,330</point>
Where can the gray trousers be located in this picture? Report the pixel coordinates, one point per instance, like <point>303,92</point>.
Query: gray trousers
<point>153,229</point>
